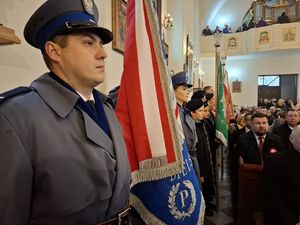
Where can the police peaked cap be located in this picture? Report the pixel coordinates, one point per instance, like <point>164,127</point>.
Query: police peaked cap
<point>180,79</point>
<point>194,104</point>
<point>63,16</point>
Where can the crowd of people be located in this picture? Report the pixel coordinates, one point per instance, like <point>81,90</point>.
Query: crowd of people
<point>283,18</point>
<point>263,135</point>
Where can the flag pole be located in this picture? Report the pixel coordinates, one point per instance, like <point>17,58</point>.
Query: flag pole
<point>222,60</point>
<point>217,38</point>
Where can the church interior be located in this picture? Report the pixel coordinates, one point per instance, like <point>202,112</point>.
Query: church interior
<point>261,62</point>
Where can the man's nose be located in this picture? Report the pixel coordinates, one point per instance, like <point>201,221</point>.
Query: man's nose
<point>101,53</point>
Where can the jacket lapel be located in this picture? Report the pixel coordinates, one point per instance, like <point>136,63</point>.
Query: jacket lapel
<point>121,159</point>
<point>95,134</point>
<point>253,141</point>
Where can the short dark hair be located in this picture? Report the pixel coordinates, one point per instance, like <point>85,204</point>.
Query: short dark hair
<point>258,115</point>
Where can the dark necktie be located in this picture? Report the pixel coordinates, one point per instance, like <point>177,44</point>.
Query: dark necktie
<point>260,147</point>
<point>91,104</point>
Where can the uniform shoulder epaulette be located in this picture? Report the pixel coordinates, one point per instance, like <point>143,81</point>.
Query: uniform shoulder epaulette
<point>14,92</point>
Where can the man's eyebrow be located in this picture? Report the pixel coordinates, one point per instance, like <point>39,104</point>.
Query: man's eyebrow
<point>92,36</point>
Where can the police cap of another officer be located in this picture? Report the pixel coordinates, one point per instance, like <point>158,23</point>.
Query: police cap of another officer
<point>61,17</point>
<point>180,79</point>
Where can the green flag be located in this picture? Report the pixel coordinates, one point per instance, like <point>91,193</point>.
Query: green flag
<point>221,125</point>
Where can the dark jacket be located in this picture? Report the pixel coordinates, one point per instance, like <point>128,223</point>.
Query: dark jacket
<point>210,126</point>
<point>282,189</point>
<point>205,159</point>
<point>283,19</point>
<point>207,32</point>
<point>233,157</point>
<point>283,131</point>
<point>247,147</point>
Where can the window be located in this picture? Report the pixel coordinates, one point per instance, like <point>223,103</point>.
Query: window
<point>269,81</point>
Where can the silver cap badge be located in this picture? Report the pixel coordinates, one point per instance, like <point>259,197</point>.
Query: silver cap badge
<point>88,6</point>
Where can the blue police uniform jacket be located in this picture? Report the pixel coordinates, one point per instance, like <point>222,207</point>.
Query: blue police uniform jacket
<point>57,166</point>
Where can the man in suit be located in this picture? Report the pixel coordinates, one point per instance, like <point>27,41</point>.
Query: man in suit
<point>282,185</point>
<point>284,131</point>
<point>254,147</point>
<point>63,160</point>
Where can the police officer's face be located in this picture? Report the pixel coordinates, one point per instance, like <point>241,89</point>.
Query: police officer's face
<point>182,94</point>
<point>260,126</point>
<point>82,61</point>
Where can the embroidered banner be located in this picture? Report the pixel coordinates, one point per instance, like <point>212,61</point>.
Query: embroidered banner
<point>164,188</point>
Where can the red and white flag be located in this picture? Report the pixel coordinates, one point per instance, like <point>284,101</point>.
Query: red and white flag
<point>164,188</point>
<point>146,103</point>
<point>228,100</point>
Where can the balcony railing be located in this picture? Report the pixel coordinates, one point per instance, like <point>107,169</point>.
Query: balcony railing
<point>274,37</point>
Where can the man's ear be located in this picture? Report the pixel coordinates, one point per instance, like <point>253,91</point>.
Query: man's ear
<point>192,114</point>
<point>52,50</point>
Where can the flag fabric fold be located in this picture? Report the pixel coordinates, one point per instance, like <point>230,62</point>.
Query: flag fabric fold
<point>221,124</point>
<point>164,187</point>
<point>228,99</point>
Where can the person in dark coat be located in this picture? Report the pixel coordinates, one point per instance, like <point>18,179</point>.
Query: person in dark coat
<point>217,30</point>
<point>245,27</point>
<point>284,131</point>
<point>210,121</point>
<point>113,94</point>
<point>282,185</point>
<point>261,23</point>
<point>207,31</point>
<point>196,108</point>
<point>234,158</point>
<point>254,146</point>
<point>283,18</point>
<point>63,159</point>
<point>251,24</point>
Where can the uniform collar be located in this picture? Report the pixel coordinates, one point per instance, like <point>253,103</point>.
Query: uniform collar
<point>84,99</point>
<point>59,98</point>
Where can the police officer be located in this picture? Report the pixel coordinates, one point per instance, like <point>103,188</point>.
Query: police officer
<point>181,89</point>
<point>63,160</point>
